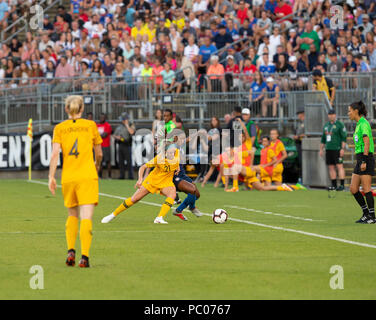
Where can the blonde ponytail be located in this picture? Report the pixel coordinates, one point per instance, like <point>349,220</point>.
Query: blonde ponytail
<point>74,105</point>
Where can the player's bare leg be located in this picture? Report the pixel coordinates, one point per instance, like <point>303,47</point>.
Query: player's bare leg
<point>193,194</point>
<point>208,175</point>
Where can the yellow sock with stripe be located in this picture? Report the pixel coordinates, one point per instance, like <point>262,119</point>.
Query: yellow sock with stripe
<point>86,235</point>
<point>71,231</point>
<point>166,207</point>
<point>127,203</point>
<point>235,183</point>
<point>280,188</point>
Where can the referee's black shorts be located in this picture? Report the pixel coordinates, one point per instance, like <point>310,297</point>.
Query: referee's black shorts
<point>332,157</point>
<point>370,165</point>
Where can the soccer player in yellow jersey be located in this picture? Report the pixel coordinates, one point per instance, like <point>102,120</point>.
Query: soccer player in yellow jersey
<point>281,154</point>
<point>77,138</point>
<point>165,164</point>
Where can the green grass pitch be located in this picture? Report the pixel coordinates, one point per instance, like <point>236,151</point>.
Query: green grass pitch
<point>245,258</point>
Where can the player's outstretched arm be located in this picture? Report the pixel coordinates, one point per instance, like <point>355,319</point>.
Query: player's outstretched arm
<point>98,156</point>
<point>53,165</point>
<point>141,173</point>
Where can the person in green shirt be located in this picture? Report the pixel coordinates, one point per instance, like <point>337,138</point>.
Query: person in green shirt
<point>365,163</point>
<point>333,140</point>
<point>308,37</point>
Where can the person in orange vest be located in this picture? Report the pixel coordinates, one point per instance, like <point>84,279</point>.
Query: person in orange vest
<point>281,154</point>
<point>267,161</point>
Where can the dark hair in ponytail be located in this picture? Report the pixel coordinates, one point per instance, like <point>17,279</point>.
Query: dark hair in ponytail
<point>361,107</point>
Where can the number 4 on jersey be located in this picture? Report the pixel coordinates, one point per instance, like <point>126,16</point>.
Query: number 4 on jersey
<point>74,150</point>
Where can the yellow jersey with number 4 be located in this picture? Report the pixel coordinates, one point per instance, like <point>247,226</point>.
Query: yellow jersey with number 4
<point>164,170</point>
<point>77,139</point>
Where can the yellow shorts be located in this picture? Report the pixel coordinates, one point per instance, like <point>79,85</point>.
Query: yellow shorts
<point>251,176</point>
<point>277,173</point>
<point>152,188</point>
<point>265,175</point>
<point>78,193</point>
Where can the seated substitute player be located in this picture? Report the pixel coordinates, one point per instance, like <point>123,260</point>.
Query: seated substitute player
<point>185,184</point>
<point>76,138</point>
<point>250,174</point>
<point>165,164</point>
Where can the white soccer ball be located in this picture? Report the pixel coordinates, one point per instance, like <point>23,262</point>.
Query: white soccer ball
<point>220,216</point>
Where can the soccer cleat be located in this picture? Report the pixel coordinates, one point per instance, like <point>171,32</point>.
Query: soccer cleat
<point>364,219</point>
<point>84,262</point>
<point>340,188</point>
<point>160,220</point>
<point>286,187</point>
<point>177,199</point>
<point>71,258</point>
<point>196,212</point>
<point>108,218</point>
<point>232,190</point>
<point>301,187</point>
<point>180,215</point>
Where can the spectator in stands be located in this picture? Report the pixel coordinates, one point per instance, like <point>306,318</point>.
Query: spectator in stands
<point>157,69</point>
<point>335,65</point>
<point>168,78</point>
<point>223,38</point>
<point>372,54</point>
<point>281,64</point>
<point>64,71</point>
<point>321,83</point>
<point>215,74</point>
<point>262,27</point>
<point>294,68</point>
<point>271,93</point>
<point>231,70</point>
<point>206,50</point>
<point>248,71</point>
<point>256,93</point>
<point>264,66</point>
<point>191,51</point>
<point>308,37</point>
<point>321,62</point>
<point>282,11</point>
<point>361,64</point>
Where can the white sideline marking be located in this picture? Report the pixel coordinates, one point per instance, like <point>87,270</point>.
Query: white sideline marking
<point>316,235</point>
<point>273,213</point>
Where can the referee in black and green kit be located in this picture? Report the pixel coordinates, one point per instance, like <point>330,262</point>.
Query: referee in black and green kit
<point>333,140</point>
<point>365,163</point>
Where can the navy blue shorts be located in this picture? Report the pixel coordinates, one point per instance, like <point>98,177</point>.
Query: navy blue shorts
<point>181,176</point>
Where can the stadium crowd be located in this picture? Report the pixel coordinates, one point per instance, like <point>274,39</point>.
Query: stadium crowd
<point>221,44</point>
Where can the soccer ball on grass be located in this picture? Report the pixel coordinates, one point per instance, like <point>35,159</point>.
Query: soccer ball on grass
<point>220,216</point>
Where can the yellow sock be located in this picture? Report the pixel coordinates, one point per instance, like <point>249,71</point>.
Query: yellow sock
<point>86,235</point>
<point>223,180</point>
<point>166,207</point>
<point>71,230</point>
<point>124,206</point>
<point>280,188</point>
<point>235,184</point>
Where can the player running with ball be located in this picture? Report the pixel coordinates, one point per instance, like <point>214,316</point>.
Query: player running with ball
<point>165,164</point>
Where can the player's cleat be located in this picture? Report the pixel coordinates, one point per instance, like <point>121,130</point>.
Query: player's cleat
<point>293,187</point>
<point>84,262</point>
<point>180,215</point>
<point>108,218</point>
<point>364,219</point>
<point>286,187</point>
<point>232,190</point>
<point>196,212</point>
<point>71,258</point>
<point>340,188</point>
<point>160,220</point>
<point>177,199</point>
<point>301,187</point>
